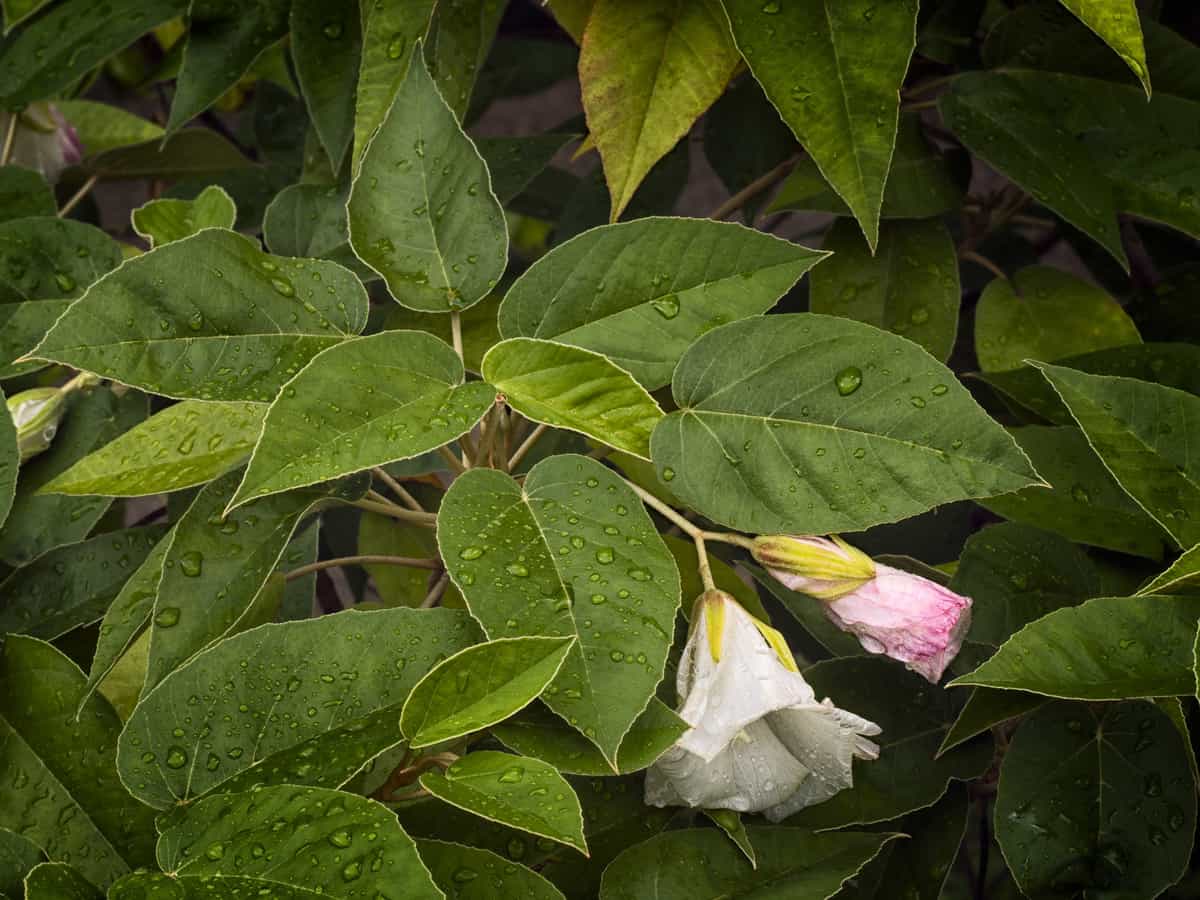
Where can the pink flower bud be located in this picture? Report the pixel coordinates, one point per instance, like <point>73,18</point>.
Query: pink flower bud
<point>909,618</point>
<point>821,567</point>
<point>44,140</point>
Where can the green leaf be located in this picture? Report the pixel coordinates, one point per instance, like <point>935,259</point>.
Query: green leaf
<point>10,462</point>
<point>163,221</point>
<point>24,193</point>
<point>17,856</point>
<point>354,668</point>
<point>422,213</point>
<point>15,12</point>
<point>299,594</point>
<point>908,286</point>
<point>100,127</point>
<point>514,162</point>
<point>517,791</point>
<point>74,584</point>
<point>1175,365</point>
<point>569,387</point>
<point>39,522</point>
<point>363,403</point>
<point>459,40</point>
<point>648,69</point>
<point>1180,577</point>
<point>1015,574</point>
<point>1117,24</point>
<point>1105,649</point>
<point>735,829</point>
<point>327,47</point>
<point>70,40</point>
<point>914,716</point>
<point>50,258</point>
<point>480,686</point>
<point>58,881</point>
<point>702,864</point>
<point>62,790</point>
<point>922,182</point>
<point>218,562</point>
<point>538,732</point>
<point>1144,433</point>
<point>1045,313</point>
<point>334,845</point>
<point>22,325</point>
<point>469,873</point>
<point>572,553</point>
<point>984,708</point>
<point>479,331</point>
<point>640,292</point>
<point>1083,502</point>
<point>209,317</point>
<point>833,69</point>
<point>813,424</point>
<point>920,866</point>
<point>187,153</point>
<point>310,220</point>
<point>187,444</point>
<point>390,32</point>
<point>223,42</point>
<point>1122,773</point>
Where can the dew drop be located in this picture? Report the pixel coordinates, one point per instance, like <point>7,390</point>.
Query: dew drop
<point>848,380</point>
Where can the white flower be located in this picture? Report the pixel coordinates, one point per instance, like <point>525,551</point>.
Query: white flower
<point>760,741</point>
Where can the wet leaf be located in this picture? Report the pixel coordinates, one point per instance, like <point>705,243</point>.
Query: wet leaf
<point>572,553</point>
<point>459,40</point>
<point>353,670</point>
<point>163,221</point>
<point>22,326</point>
<point>1180,578</point>
<point>838,426</point>
<point>24,193</point>
<point>48,259</point>
<point>58,881</point>
<point>640,292</point>
<point>987,707</point>
<point>1117,24</point>
<point>367,402</point>
<point>470,873</point>
<point>17,856</point>
<point>10,462</point>
<point>327,47</point>
<point>517,791</point>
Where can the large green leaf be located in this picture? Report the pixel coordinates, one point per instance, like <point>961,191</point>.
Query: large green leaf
<point>326,42</point>
<point>1083,502</point>
<point>22,325</point>
<point>459,40</point>
<point>390,32</point>
<point>1096,800</point>
<point>640,292</point>
<point>909,285</point>
<point>24,193</point>
<point>1105,649</point>
<point>480,686</point>
<point>166,220</point>
<point>71,39</point>
<point>517,791</point>
<point>353,670</point>
<point>536,731</point>
<point>223,41</point>
<point>922,181</point>
<point>209,317</point>
<point>813,424</point>
<point>17,856</point>
<point>58,881</point>
<point>573,552</point>
<point>1045,313</point>
<point>703,864</point>
<point>73,584</point>
<point>470,873</point>
<point>363,403</point>
<point>332,844</point>
<point>186,444</point>
<point>422,213</point>
<point>569,387</point>
<point>648,69</point>
<point>1181,577</point>
<point>833,69</point>
<point>47,258</point>
<point>1117,24</point>
<point>218,562</point>
<point>1149,438</point>
<point>39,522</point>
<point>101,127</point>
<point>914,716</point>
<point>61,786</point>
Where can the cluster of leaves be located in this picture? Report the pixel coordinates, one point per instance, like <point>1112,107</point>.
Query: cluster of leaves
<point>446,391</point>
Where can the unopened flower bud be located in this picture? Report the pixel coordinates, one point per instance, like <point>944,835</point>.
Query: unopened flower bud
<point>36,414</point>
<point>44,140</point>
<point>826,568</point>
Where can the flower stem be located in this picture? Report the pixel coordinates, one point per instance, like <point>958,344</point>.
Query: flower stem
<point>456,332</point>
<point>410,561</point>
<point>409,500</point>
<point>702,563</point>
<point>10,139</point>
<point>726,537</point>
<point>77,196</point>
<point>526,446</point>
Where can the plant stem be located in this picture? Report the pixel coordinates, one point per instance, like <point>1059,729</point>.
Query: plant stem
<point>398,489</point>
<point>980,260</point>
<point>702,563</point>
<point>456,332</point>
<point>526,446</point>
<point>930,85</point>
<point>429,520</point>
<point>10,138</point>
<point>504,438</point>
<point>922,104</point>
<point>667,512</point>
<point>455,463</point>
<point>754,188</point>
<point>78,195</point>
<point>435,593</point>
<point>725,537</point>
<point>411,561</point>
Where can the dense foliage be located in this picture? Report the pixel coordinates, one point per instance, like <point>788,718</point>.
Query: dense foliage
<point>676,449</point>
